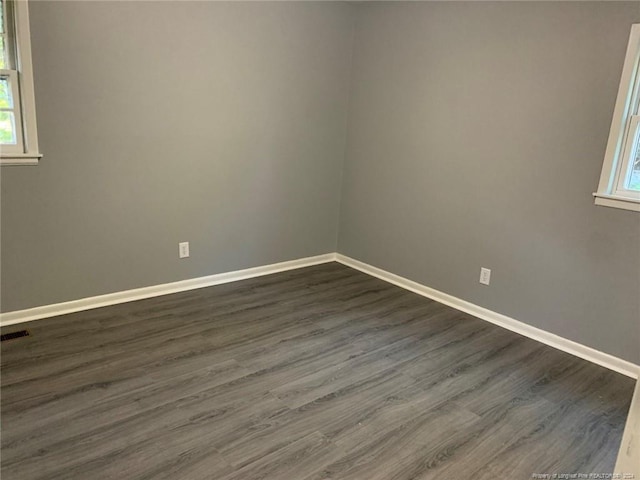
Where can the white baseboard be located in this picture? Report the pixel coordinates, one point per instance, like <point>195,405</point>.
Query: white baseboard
<point>604,359</point>
<point>569,346</point>
<point>37,313</point>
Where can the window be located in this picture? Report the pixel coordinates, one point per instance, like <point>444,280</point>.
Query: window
<point>620,179</point>
<point>18,135</point>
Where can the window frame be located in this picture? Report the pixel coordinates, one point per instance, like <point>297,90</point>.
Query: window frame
<point>11,77</point>
<point>630,144</point>
<point>612,191</point>
<point>26,152</point>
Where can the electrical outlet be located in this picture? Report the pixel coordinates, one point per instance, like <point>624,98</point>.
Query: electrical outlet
<point>485,276</point>
<point>183,249</point>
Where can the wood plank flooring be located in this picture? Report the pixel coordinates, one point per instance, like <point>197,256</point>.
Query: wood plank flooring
<point>317,373</point>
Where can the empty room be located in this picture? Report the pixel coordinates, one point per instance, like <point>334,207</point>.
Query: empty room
<point>304,240</point>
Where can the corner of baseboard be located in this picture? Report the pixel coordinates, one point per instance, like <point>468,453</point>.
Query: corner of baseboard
<point>604,359</point>
<point>569,346</point>
<point>89,303</point>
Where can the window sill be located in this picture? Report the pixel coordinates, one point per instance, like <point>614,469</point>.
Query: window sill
<point>624,203</point>
<point>20,159</point>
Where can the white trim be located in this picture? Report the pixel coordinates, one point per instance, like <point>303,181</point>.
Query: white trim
<point>600,358</point>
<point>617,202</point>
<point>569,346</point>
<point>37,313</point>
<point>27,107</point>
<point>631,139</point>
<point>20,159</point>
<point>14,91</point>
<point>624,108</point>
<point>25,69</point>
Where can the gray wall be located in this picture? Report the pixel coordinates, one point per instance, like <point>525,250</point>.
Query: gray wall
<point>218,124</point>
<point>476,136</point>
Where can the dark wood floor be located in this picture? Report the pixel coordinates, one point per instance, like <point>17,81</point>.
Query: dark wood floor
<point>318,373</point>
